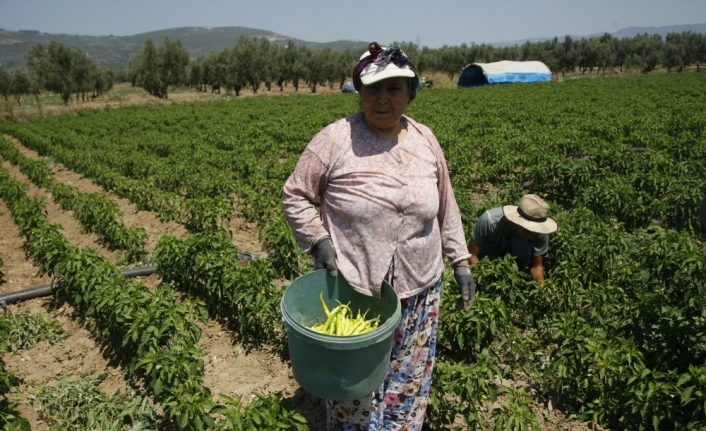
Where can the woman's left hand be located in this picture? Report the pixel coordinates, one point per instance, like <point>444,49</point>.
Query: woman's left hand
<point>464,278</point>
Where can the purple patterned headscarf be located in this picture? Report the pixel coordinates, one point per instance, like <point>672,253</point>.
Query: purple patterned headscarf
<point>381,58</point>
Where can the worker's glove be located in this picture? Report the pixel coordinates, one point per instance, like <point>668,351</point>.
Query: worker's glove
<point>464,278</point>
<point>325,256</point>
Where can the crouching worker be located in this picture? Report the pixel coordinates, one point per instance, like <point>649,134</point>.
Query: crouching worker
<point>522,231</point>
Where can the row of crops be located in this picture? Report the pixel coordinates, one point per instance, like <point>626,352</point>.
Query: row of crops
<point>615,336</point>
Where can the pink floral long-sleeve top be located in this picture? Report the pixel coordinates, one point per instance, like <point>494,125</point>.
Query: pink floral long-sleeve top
<point>379,199</point>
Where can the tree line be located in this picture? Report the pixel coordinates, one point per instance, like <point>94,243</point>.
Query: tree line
<point>252,62</point>
<point>58,69</point>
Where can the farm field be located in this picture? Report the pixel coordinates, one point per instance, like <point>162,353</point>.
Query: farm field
<point>614,339</point>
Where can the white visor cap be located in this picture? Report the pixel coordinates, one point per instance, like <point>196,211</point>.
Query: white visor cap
<point>373,73</point>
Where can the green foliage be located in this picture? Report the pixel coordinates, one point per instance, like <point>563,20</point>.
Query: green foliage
<point>28,329</point>
<point>96,212</point>
<point>460,390</point>
<point>284,251</point>
<point>515,413</point>
<point>189,407</point>
<point>79,404</point>
<point>10,419</point>
<point>5,377</point>
<point>208,214</point>
<point>261,413</point>
<point>207,265</point>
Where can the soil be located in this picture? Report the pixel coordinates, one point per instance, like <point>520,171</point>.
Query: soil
<point>229,368</point>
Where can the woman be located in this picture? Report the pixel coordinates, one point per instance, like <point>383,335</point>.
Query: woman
<point>387,213</point>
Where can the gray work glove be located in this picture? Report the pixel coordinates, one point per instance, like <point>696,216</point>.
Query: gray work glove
<point>464,278</point>
<point>325,256</point>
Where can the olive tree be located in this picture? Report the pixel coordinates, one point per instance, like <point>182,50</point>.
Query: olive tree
<point>83,72</point>
<point>146,69</point>
<point>344,66</point>
<point>568,55</point>
<point>697,47</point>
<point>5,80</point>
<point>173,59</point>
<point>57,67</point>
<point>294,64</point>
<point>648,49</point>
<point>250,63</point>
<point>316,72</point>
<point>155,69</point>
<point>20,85</point>
<point>265,61</point>
<point>102,80</point>
<point>452,60</point>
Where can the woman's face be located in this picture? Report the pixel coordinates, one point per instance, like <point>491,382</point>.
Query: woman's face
<point>384,103</point>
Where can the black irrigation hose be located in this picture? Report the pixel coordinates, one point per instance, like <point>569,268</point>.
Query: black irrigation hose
<point>47,289</point>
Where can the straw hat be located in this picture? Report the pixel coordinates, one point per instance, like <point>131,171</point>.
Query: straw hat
<point>531,214</point>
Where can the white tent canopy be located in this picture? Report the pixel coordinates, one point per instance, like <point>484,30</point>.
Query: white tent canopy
<point>502,72</point>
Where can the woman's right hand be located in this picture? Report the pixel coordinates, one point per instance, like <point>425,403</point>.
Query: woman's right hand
<point>325,256</point>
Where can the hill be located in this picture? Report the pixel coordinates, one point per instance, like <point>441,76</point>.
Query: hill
<point>115,51</point>
<point>628,32</point>
<point>662,31</point>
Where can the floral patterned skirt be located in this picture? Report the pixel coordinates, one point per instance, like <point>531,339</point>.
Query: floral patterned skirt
<point>401,400</point>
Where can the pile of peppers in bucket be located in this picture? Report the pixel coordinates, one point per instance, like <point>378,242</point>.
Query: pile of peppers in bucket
<point>340,321</point>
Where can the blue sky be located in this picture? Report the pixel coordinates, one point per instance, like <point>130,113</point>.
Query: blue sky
<point>431,23</point>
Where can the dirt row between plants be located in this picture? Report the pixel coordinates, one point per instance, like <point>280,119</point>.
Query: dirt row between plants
<point>229,369</point>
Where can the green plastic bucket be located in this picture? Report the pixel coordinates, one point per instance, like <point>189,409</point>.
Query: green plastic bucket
<point>337,367</point>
